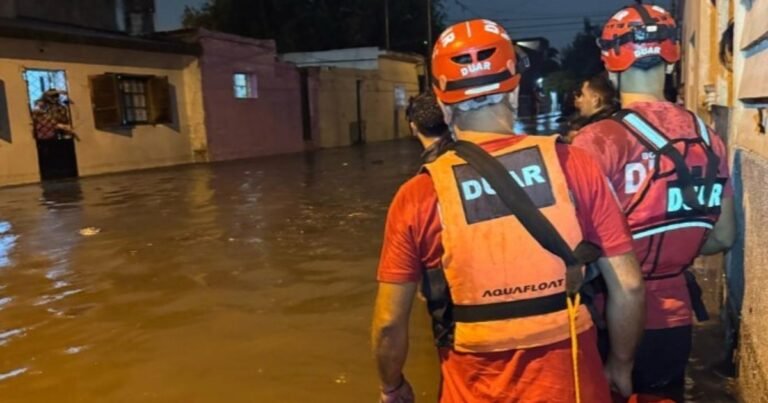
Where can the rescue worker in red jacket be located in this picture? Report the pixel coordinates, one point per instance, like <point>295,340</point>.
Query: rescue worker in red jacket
<point>670,174</point>
<point>496,297</point>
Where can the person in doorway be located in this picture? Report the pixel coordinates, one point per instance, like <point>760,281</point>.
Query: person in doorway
<point>670,174</point>
<point>498,298</point>
<point>595,100</point>
<point>428,125</point>
<point>50,118</point>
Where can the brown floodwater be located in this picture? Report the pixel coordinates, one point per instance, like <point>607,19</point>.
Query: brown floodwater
<point>250,281</point>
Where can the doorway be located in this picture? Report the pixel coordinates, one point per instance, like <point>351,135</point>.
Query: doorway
<point>49,107</point>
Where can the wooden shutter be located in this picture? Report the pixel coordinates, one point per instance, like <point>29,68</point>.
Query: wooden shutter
<point>105,100</point>
<point>754,44</point>
<point>159,97</point>
<point>5,126</point>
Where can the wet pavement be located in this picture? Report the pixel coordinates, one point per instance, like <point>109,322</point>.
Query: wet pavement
<point>250,281</point>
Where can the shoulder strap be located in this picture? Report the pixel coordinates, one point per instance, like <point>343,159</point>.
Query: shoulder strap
<point>643,130</point>
<point>519,203</point>
<point>656,141</point>
<point>713,161</point>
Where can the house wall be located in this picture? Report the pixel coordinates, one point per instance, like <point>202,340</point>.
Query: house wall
<point>337,102</point>
<point>742,93</point>
<point>245,128</point>
<point>99,152</point>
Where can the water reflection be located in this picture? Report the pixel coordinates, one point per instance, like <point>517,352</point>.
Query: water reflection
<point>61,194</point>
<point>7,243</point>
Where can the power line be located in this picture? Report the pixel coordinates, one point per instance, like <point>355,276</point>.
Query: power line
<point>580,23</point>
<point>466,8</point>
<point>524,19</point>
<point>541,32</point>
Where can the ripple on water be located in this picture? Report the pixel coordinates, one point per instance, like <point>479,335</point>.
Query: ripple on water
<point>6,336</point>
<point>12,374</point>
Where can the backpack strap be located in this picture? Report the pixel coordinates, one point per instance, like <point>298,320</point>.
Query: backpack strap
<point>656,141</point>
<point>713,161</point>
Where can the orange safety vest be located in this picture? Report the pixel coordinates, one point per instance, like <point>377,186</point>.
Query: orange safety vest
<point>498,289</point>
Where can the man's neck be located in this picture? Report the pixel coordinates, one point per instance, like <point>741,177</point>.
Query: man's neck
<point>629,98</point>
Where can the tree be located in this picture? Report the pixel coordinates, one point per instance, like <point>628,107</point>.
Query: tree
<point>582,57</point>
<point>579,61</point>
<point>305,25</point>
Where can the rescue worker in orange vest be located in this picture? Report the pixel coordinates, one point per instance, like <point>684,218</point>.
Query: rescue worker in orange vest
<point>497,297</point>
<point>670,174</point>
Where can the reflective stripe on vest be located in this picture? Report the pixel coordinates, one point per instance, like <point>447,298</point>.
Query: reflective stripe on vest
<point>672,227</point>
<point>648,133</point>
<point>703,131</point>
<point>506,291</point>
<point>657,139</point>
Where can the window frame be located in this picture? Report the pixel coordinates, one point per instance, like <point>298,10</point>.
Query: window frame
<point>124,96</point>
<point>251,85</point>
<point>111,108</point>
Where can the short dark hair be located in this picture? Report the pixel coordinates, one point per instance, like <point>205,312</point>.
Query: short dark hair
<point>425,113</point>
<point>604,87</point>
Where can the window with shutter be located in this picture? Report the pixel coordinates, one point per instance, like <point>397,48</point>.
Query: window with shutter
<point>160,108</point>
<point>105,100</point>
<point>5,126</point>
<point>126,100</point>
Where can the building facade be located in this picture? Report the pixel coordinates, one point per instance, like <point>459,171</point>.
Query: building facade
<point>356,96</point>
<point>724,73</point>
<point>253,101</point>
<point>132,102</point>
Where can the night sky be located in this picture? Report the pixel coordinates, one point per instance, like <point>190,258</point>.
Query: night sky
<point>557,20</point>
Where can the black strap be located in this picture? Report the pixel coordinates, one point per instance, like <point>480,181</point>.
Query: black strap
<point>697,302</point>
<point>713,161</point>
<point>520,204</point>
<point>684,174</point>
<point>510,310</point>
<point>440,305</point>
<point>644,14</point>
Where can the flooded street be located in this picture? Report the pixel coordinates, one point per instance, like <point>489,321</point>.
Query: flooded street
<point>249,281</point>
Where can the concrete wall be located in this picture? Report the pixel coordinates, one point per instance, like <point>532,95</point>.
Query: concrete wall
<point>144,146</point>
<point>87,13</point>
<point>336,102</point>
<point>245,128</point>
<point>740,94</point>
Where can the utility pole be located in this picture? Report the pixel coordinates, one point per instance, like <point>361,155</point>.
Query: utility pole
<point>428,60</point>
<point>386,25</point>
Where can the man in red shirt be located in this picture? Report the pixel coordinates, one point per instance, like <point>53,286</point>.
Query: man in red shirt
<point>497,297</point>
<point>670,173</point>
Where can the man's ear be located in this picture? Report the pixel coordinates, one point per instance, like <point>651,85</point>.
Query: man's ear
<point>447,112</point>
<point>513,100</point>
<point>414,130</point>
<point>614,77</point>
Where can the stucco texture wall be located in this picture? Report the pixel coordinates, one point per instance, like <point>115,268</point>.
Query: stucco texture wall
<point>269,124</point>
<point>747,269</point>
<point>98,152</point>
<point>748,277</point>
<point>337,102</point>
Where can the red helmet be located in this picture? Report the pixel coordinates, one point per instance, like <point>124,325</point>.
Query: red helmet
<point>638,32</point>
<point>472,59</point>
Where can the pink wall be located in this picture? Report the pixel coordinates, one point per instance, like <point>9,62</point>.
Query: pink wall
<point>245,128</point>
